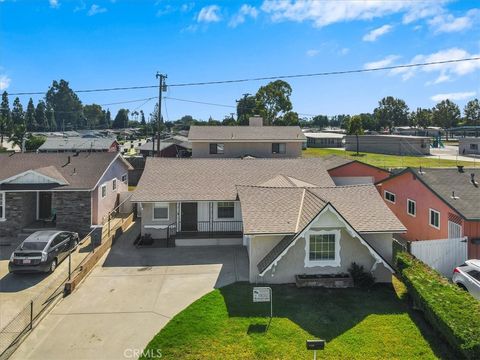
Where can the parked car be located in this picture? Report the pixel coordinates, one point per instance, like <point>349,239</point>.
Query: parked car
<point>467,276</point>
<point>42,251</point>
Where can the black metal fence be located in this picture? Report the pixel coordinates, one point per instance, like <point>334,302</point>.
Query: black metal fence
<point>220,226</point>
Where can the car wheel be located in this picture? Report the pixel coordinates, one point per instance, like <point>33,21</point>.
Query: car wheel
<point>461,286</point>
<point>53,265</point>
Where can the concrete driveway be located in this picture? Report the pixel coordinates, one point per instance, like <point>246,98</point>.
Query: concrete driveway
<point>128,298</point>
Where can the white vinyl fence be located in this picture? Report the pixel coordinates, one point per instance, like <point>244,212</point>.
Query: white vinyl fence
<point>442,255</point>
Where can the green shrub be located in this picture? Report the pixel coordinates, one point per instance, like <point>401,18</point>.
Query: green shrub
<point>361,278</point>
<point>451,311</point>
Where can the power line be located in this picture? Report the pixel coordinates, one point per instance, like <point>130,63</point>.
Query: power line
<point>326,73</point>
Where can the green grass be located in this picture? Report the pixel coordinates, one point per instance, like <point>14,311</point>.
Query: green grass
<point>387,161</point>
<point>357,324</point>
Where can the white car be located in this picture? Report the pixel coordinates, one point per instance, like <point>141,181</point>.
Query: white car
<point>467,276</point>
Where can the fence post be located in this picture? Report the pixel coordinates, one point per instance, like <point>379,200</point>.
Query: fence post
<point>108,225</point>
<point>69,265</point>
<point>31,314</point>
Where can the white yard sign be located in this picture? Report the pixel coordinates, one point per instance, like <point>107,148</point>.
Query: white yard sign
<point>261,294</point>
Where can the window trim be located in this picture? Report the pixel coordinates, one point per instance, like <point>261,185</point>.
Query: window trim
<point>103,186</point>
<point>391,193</point>
<point>125,178</point>
<point>3,214</point>
<point>414,205</point>
<point>163,205</point>
<point>226,218</point>
<point>430,210</point>
<point>114,184</point>
<point>216,152</point>
<point>279,152</point>
<point>312,263</point>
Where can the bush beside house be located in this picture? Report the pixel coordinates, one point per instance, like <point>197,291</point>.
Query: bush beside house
<point>450,310</point>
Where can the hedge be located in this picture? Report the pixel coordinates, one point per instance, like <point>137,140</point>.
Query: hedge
<point>453,312</point>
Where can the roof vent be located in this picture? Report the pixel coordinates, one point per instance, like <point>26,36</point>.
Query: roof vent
<point>454,197</point>
<point>472,179</point>
<point>68,161</point>
<point>460,168</point>
<point>420,171</point>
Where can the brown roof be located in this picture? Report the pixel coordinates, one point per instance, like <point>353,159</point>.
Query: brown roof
<point>82,173</point>
<point>334,161</point>
<point>246,133</point>
<point>289,210</point>
<point>171,179</point>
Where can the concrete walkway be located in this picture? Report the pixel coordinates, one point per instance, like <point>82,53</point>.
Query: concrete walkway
<point>129,298</point>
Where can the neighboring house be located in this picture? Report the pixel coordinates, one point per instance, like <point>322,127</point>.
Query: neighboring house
<point>352,172</point>
<point>288,213</point>
<point>131,147</point>
<point>436,204</point>
<point>469,146</point>
<point>70,192</point>
<point>176,146</point>
<point>79,144</point>
<point>389,144</point>
<point>254,140</point>
<point>10,146</point>
<point>324,139</point>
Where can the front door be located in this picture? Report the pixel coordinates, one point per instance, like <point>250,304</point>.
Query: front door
<point>44,205</point>
<point>189,216</point>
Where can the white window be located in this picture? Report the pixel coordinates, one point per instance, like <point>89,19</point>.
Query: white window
<point>125,178</point>
<point>434,219</point>
<point>114,184</point>
<point>160,211</point>
<point>322,248</point>
<point>216,148</point>
<point>103,189</point>
<point>226,210</point>
<point>279,148</point>
<point>389,196</point>
<point>411,207</point>
<point>2,205</point>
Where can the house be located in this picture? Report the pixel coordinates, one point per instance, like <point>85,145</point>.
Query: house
<point>288,213</point>
<point>79,144</point>
<point>175,146</point>
<point>345,171</point>
<point>324,139</point>
<point>469,146</point>
<point>389,144</point>
<point>70,192</point>
<point>436,204</point>
<point>254,140</point>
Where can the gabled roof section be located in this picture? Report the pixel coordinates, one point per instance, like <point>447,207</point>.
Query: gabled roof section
<point>45,175</point>
<point>334,161</point>
<point>285,181</point>
<point>76,143</point>
<point>245,133</point>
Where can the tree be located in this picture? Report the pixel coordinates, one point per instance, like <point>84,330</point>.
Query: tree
<point>51,124</point>
<point>472,112</point>
<point>121,120</point>
<point>41,117</point>
<point>142,118</point>
<point>369,122</point>
<point>246,107</point>
<point>422,117</point>
<point>288,119</point>
<point>32,143</point>
<point>446,114</point>
<point>355,128</point>
<point>30,122</point>
<point>320,121</point>
<point>95,116</point>
<point>108,119</point>
<point>5,118</point>
<point>273,100</point>
<point>18,116</point>
<point>391,112</point>
<point>66,105</point>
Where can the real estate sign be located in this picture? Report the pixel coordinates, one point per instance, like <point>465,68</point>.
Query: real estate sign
<point>261,294</point>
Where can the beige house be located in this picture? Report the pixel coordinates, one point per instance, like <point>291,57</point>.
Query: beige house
<point>288,213</point>
<point>239,141</point>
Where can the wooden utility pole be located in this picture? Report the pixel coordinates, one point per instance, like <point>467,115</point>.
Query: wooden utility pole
<point>161,88</point>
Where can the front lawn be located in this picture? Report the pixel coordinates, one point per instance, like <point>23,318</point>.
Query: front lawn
<point>357,324</point>
<point>386,161</point>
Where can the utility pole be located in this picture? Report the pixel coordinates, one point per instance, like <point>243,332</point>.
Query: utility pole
<point>161,88</point>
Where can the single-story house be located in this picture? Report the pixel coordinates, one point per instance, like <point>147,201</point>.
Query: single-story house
<point>469,146</point>
<point>345,171</point>
<point>254,140</point>
<point>175,146</point>
<point>79,144</point>
<point>70,192</point>
<point>436,204</point>
<point>288,213</point>
<point>389,144</point>
<point>324,139</point>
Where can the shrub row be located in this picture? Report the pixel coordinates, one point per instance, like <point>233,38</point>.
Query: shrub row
<point>454,313</point>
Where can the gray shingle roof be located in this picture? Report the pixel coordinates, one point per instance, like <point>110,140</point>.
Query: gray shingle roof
<point>76,143</point>
<point>172,179</point>
<point>82,173</point>
<point>246,133</point>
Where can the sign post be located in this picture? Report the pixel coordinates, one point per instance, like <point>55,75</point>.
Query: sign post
<point>264,294</point>
<point>315,345</point>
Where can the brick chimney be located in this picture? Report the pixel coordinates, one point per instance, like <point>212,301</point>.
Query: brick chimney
<point>255,121</point>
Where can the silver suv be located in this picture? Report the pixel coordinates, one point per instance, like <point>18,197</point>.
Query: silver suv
<point>467,276</point>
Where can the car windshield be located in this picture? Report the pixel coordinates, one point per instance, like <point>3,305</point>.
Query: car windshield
<point>33,245</point>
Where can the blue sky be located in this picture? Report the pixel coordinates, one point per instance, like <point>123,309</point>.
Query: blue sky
<point>98,44</point>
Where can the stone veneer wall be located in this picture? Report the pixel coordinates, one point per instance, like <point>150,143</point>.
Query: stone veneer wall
<point>20,211</point>
<point>73,211</point>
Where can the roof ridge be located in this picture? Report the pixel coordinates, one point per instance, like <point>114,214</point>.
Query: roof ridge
<point>318,197</point>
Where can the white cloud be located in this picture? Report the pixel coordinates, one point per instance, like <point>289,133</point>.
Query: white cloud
<point>209,14</point>
<point>4,82</point>
<point>389,60</point>
<point>453,96</point>
<point>96,9</point>
<point>447,23</point>
<point>344,51</point>
<point>376,33</point>
<point>312,52</point>
<point>244,12</point>
<point>445,71</point>
<point>187,7</point>
<point>53,3</point>
<point>326,12</point>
